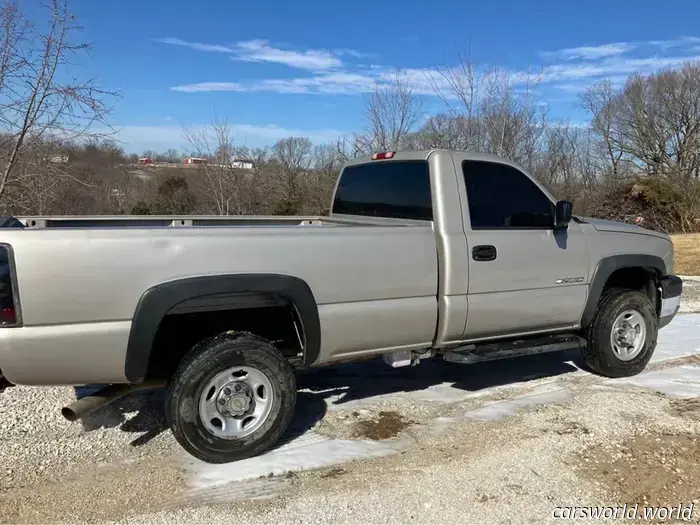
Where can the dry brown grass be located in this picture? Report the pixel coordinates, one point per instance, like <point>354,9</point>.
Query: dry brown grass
<point>686,254</point>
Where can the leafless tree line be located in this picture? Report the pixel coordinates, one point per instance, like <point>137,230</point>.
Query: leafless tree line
<point>639,155</point>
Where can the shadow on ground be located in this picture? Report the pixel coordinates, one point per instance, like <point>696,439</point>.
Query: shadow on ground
<point>355,381</point>
<point>143,412</point>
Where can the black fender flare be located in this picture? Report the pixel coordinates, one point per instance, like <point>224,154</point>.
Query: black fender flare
<point>606,267</point>
<point>157,301</point>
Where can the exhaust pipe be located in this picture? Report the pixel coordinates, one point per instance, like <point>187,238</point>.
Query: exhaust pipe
<point>105,396</point>
<point>4,383</point>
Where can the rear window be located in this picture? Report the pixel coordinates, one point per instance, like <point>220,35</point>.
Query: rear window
<point>396,189</point>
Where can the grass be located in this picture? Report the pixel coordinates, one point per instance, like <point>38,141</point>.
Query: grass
<point>686,254</point>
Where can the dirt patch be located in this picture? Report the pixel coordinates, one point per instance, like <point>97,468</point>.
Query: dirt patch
<point>333,473</point>
<point>647,469</point>
<point>686,408</point>
<point>686,254</point>
<point>386,426</point>
<point>673,363</point>
<point>106,493</point>
<point>377,425</point>
<point>564,428</point>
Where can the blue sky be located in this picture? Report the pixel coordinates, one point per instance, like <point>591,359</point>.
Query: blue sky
<point>276,68</point>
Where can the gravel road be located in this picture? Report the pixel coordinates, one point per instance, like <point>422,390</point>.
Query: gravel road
<point>503,442</point>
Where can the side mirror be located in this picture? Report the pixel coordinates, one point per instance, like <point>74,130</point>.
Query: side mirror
<point>562,214</point>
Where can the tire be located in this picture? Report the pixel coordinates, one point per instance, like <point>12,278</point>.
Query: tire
<point>600,354</point>
<point>214,358</point>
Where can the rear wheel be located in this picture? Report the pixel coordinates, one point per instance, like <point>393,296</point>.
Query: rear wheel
<point>622,336</point>
<point>232,397</point>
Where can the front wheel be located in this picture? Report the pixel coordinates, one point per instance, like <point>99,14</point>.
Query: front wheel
<point>232,397</point>
<point>622,336</point>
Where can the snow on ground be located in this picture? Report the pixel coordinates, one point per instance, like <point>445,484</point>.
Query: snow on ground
<point>690,302</point>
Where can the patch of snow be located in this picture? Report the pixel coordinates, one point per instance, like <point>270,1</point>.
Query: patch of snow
<point>308,452</point>
<point>682,381</point>
<point>678,339</point>
<point>502,409</point>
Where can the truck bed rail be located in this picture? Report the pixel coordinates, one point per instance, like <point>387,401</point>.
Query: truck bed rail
<point>140,221</point>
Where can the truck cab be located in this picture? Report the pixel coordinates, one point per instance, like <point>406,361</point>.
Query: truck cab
<point>512,260</point>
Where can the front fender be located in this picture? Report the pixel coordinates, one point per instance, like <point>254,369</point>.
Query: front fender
<point>606,267</point>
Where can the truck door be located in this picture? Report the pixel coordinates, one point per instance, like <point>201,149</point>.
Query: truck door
<point>523,274</point>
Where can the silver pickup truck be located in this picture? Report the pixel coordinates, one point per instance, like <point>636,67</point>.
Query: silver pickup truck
<point>424,254</point>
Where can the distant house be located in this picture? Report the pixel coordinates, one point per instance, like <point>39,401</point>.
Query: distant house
<point>195,160</point>
<point>58,159</point>
<point>145,160</point>
<point>240,164</point>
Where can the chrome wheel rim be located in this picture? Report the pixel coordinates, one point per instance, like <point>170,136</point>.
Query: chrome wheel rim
<point>236,402</point>
<point>628,335</point>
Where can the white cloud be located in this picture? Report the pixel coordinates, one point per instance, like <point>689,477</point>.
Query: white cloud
<point>568,70</point>
<point>576,87</point>
<point>135,139</point>
<point>572,70</point>
<point>196,45</point>
<point>209,86</point>
<point>590,52</point>
<point>612,67</point>
<point>673,43</point>
<point>352,53</point>
<point>263,51</point>
<point>329,83</point>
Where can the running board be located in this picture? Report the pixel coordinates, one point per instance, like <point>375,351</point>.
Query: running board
<point>493,350</point>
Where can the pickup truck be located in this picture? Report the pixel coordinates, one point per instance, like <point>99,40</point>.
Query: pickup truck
<point>439,253</point>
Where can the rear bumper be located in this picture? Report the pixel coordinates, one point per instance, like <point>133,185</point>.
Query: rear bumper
<point>65,354</point>
<point>671,288</point>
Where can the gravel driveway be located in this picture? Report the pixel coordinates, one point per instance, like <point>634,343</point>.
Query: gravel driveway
<point>501,442</point>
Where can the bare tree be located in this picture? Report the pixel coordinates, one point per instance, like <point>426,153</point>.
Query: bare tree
<point>35,102</point>
<point>442,131</point>
<point>391,112</point>
<point>458,87</point>
<point>229,188</point>
<point>262,179</point>
<point>293,155</point>
<point>659,119</point>
<point>512,121</point>
<point>600,100</point>
<point>321,181</point>
<point>172,156</point>
<point>493,110</point>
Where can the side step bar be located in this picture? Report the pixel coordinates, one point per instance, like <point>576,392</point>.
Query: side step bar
<point>493,350</point>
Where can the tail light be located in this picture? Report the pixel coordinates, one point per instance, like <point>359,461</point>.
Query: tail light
<point>9,315</point>
<point>384,155</point>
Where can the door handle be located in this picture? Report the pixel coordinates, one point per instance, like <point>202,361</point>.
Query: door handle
<point>485,252</point>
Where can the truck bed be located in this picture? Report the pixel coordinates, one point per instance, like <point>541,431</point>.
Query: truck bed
<point>375,281</point>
